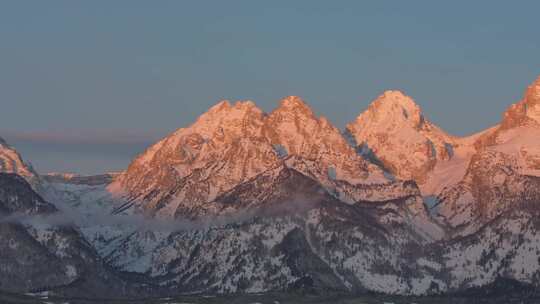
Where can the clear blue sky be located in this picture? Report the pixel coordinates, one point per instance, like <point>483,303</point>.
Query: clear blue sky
<point>74,75</point>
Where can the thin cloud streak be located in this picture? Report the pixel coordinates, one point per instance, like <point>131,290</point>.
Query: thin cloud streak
<point>80,137</point>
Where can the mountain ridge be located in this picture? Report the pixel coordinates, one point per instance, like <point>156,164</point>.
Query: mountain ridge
<point>307,206</point>
<point>217,139</point>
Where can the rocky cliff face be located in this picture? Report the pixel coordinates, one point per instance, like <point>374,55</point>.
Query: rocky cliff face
<point>17,197</point>
<point>492,186</point>
<point>292,234</point>
<point>524,115</point>
<point>503,174</point>
<point>231,144</point>
<point>12,162</point>
<point>525,112</point>
<point>38,252</point>
<point>394,133</point>
<point>294,128</point>
<point>223,148</point>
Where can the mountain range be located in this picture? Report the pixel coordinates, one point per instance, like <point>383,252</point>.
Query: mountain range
<point>244,201</point>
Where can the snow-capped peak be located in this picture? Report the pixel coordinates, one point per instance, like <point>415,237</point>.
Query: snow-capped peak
<point>393,132</point>
<point>397,107</point>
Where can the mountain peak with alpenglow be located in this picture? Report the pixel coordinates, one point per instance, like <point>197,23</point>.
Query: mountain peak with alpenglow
<point>534,89</point>
<point>394,130</point>
<point>220,106</point>
<point>227,118</point>
<point>294,104</point>
<point>293,101</point>
<point>532,100</point>
<point>12,162</point>
<point>526,111</point>
<point>225,107</point>
<point>396,106</point>
<point>294,127</point>
<point>232,143</point>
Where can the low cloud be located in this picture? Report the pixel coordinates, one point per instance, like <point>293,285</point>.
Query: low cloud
<point>69,216</point>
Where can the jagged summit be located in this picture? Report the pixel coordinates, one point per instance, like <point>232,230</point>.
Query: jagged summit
<point>294,127</point>
<point>227,118</point>
<point>396,105</point>
<point>232,143</point>
<point>12,162</point>
<point>394,132</point>
<point>533,91</point>
<point>392,109</point>
<point>294,103</point>
<point>225,107</point>
<point>288,104</point>
<point>505,166</point>
<point>223,104</point>
<point>526,111</point>
<point>523,115</point>
<point>532,100</point>
<point>516,137</point>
